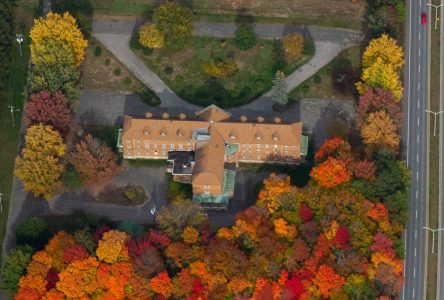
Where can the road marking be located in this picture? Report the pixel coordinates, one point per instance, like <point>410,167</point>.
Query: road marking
<point>417,175</point>
<point>419,86</point>
<point>418,121</point>
<point>419,53</point>
<point>416,214</point>
<point>415,252</point>
<point>419,35</point>
<point>419,69</point>
<point>413,293</point>
<point>414,269</point>
<point>416,194</point>
<point>417,137</point>
<point>417,157</point>
<point>416,235</point>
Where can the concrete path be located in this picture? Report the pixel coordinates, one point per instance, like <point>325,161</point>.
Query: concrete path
<point>329,42</point>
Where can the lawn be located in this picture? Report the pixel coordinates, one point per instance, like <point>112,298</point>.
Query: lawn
<point>13,95</point>
<point>182,71</point>
<point>320,85</point>
<point>338,13</point>
<point>104,71</point>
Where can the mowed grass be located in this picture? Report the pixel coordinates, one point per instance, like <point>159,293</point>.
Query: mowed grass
<point>338,13</point>
<point>256,69</point>
<point>13,95</point>
<point>433,208</point>
<point>322,87</point>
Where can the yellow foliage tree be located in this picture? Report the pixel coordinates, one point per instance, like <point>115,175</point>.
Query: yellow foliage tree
<point>381,75</point>
<point>62,29</point>
<point>190,235</point>
<point>151,37</point>
<point>225,233</point>
<point>282,228</point>
<point>385,48</point>
<point>293,45</point>
<point>112,247</point>
<point>273,187</point>
<point>39,167</point>
<point>379,132</point>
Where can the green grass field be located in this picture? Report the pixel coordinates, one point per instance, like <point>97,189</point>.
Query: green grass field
<point>13,95</point>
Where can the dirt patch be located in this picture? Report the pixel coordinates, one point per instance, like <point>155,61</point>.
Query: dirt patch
<point>130,195</point>
<point>105,71</point>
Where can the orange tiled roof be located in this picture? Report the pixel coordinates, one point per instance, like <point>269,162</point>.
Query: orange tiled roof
<point>213,113</point>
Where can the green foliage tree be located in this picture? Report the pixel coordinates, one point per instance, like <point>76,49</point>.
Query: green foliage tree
<point>84,237</point>
<point>279,90</point>
<point>245,37</point>
<point>6,31</point>
<point>181,213</point>
<point>32,231</point>
<point>176,24</point>
<point>15,266</point>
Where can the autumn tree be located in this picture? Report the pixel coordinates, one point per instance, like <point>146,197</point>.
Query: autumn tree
<point>293,45</point>
<point>14,267</point>
<point>374,100</point>
<point>380,132</point>
<point>94,161</point>
<point>331,173</point>
<point>381,75</point>
<point>190,235</point>
<point>112,247</point>
<point>279,89</point>
<point>50,109</point>
<point>175,23</point>
<point>161,284</point>
<point>62,29</point>
<point>151,37</point>
<point>384,47</point>
<point>40,167</point>
<point>327,280</point>
<point>179,214</point>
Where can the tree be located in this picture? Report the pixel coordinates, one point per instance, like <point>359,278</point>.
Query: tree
<point>84,237</point>
<point>62,29</point>
<point>161,284</point>
<point>293,45</point>
<point>376,100</point>
<point>279,89</point>
<point>50,109</point>
<point>32,231</point>
<point>40,167</point>
<point>190,235</point>
<point>365,169</point>
<point>179,214</point>
<point>76,252</point>
<point>245,37</point>
<point>14,267</point>
<point>94,161</point>
<point>331,173</point>
<point>381,75</point>
<point>386,48</point>
<point>151,37</point>
<point>175,22</point>
<point>379,132</point>
<point>326,279</point>
<point>112,247</point>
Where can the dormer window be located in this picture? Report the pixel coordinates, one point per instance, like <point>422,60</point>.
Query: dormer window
<point>179,132</point>
<point>232,136</point>
<point>275,136</point>
<point>163,133</point>
<point>258,137</point>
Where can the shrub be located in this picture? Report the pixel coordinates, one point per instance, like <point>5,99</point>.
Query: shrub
<point>127,81</point>
<point>151,37</point>
<point>71,179</point>
<point>305,88</point>
<point>168,70</point>
<point>260,85</point>
<point>117,71</point>
<point>220,69</point>
<point>293,45</point>
<point>15,266</point>
<point>97,51</point>
<point>317,79</point>
<point>107,62</point>
<point>32,231</point>
<point>245,37</point>
<point>149,97</point>
<point>134,193</point>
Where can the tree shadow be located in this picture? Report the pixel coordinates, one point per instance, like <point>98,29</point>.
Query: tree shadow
<point>243,17</point>
<point>82,10</point>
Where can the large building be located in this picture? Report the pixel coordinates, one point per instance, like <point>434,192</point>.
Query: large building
<point>204,150</point>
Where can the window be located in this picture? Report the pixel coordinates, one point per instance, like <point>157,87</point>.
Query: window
<point>172,146</point>
<point>128,146</point>
<point>138,151</point>
<point>147,145</point>
<point>180,146</point>
<point>206,192</point>
<point>207,187</point>
<point>275,146</point>
<point>164,146</point>
<point>155,146</point>
<point>266,146</point>
<point>258,145</point>
<point>163,133</point>
<point>155,152</point>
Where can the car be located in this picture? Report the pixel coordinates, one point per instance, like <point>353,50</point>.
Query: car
<point>423,18</point>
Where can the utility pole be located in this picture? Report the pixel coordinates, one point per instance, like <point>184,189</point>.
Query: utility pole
<point>12,110</point>
<point>433,233</point>
<point>19,39</point>
<point>434,114</point>
<point>436,11</point>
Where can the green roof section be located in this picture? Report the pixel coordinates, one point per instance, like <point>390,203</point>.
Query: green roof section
<point>119,140</point>
<point>230,149</point>
<point>304,145</point>
<point>227,190</point>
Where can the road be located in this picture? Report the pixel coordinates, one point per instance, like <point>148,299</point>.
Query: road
<point>416,143</point>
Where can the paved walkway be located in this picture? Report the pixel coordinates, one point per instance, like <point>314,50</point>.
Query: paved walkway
<point>329,42</point>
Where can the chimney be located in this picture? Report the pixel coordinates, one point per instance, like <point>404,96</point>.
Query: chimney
<point>148,115</point>
<point>243,119</point>
<point>277,120</point>
<point>165,115</point>
<point>260,119</point>
<point>182,116</point>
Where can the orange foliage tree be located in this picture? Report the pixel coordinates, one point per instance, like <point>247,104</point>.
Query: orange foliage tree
<point>326,279</point>
<point>331,173</point>
<point>112,247</point>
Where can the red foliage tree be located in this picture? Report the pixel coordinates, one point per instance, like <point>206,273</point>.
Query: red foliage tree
<point>94,161</point>
<point>305,212</point>
<point>365,169</point>
<point>76,252</point>
<point>52,277</point>
<point>331,173</point>
<point>335,147</point>
<point>294,288</point>
<point>342,238</point>
<point>301,250</point>
<point>382,243</point>
<point>97,236</point>
<point>376,100</point>
<point>138,247</point>
<point>50,109</point>
<point>158,238</point>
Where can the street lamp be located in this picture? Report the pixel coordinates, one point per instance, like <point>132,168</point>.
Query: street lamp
<point>12,110</point>
<point>19,39</point>
<point>153,213</point>
<point>433,232</point>
<point>436,11</point>
<point>434,123</point>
